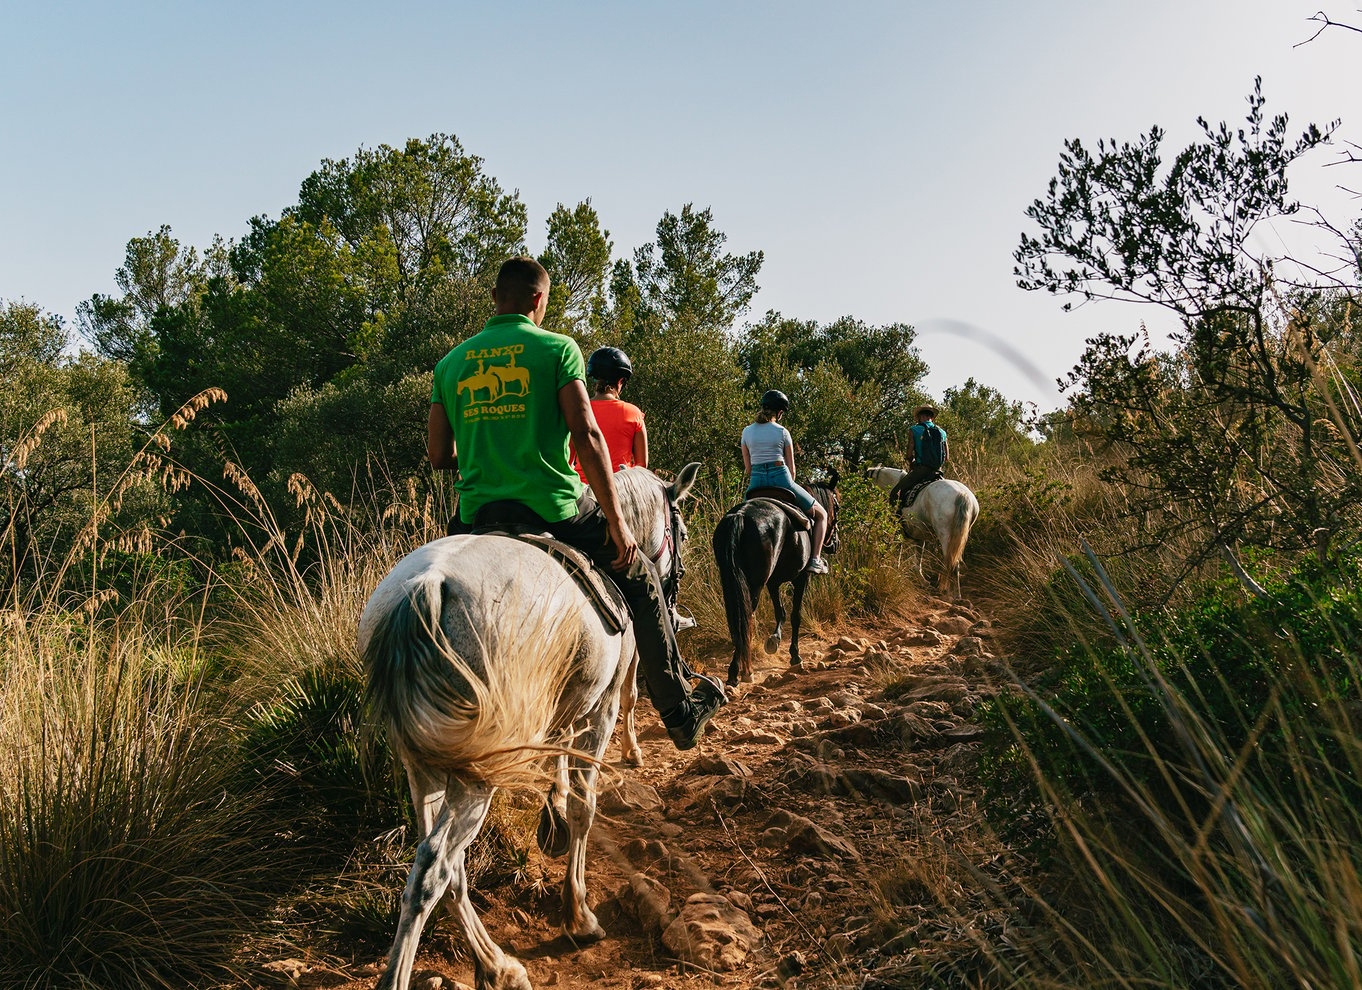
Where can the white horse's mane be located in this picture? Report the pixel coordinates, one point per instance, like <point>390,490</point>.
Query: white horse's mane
<point>643,503</point>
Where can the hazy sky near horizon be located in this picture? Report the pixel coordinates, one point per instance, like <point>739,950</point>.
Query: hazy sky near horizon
<point>881,154</point>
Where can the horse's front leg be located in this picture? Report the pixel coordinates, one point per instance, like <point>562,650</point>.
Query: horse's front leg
<point>579,923</point>
<point>796,609</point>
<point>632,755</point>
<point>773,641</point>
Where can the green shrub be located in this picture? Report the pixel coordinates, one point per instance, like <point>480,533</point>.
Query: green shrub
<point>323,771</point>
<point>1195,793</point>
<point>1233,658</point>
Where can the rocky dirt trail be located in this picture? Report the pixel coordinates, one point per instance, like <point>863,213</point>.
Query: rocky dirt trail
<point>806,843</point>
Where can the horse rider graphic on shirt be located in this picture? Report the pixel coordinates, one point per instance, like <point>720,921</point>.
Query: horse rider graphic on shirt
<point>494,379</point>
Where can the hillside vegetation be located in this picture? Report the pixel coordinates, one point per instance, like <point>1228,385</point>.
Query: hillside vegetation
<point>202,486</point>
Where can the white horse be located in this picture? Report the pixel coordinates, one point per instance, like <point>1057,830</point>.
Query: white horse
<point>945,509</point>
<point>483,657</point>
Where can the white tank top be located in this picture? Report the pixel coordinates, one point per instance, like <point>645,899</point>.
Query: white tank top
<point>766,442</point>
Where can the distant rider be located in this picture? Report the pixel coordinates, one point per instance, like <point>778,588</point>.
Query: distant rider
<point>512,455</point>
<point>929,454</point>
<point>621,422</point>
<point>768,462</point>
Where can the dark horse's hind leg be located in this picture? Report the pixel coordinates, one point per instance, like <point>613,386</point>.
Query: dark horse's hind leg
<point>796,607</point>
<point>773,641</point>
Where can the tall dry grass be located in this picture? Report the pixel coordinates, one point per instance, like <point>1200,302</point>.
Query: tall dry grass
<point>184,763</point>
<point>128,858</point>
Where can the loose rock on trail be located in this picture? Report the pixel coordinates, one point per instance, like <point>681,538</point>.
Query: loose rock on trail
<point>802,845</point>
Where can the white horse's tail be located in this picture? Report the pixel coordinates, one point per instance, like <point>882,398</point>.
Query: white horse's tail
<point>485,719</point>
<point>960,527</point>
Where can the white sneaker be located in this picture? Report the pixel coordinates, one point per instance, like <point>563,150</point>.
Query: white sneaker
<point>816,566</point>
<point>682,622</point>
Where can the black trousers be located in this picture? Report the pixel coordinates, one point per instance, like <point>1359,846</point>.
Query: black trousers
<point>916,475</point>
<point>665,675</point>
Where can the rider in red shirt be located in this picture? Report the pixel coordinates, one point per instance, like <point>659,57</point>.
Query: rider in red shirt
<point>622,426</point>
<point>621,422</point>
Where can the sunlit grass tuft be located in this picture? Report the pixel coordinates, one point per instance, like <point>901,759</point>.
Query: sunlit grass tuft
<point>127,857</point>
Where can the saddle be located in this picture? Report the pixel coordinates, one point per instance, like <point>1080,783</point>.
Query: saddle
<point>603,593</point>
<point>910,496</point>
<point>519,522</point>
<point>785,500</point>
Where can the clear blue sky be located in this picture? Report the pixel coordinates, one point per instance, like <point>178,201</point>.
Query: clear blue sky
<point>881,154</point>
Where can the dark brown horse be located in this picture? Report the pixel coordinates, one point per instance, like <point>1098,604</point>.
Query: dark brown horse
<point>760,544</point>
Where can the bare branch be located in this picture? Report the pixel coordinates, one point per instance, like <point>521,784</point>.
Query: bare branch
<point>1245,578</point>
<point>1324,21</point>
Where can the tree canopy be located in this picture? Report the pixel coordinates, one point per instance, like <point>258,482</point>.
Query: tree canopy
<point>1236,434</point>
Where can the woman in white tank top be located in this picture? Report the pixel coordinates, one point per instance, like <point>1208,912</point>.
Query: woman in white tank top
<point>768,462</point>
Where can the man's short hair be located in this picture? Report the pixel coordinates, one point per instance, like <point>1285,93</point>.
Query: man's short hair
<point>518,282</point>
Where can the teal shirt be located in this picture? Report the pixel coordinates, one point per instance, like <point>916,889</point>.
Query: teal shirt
<point>499,390</point>
<point>918,429</point>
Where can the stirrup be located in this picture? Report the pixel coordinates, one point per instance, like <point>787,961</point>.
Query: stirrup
<point>680,622</point>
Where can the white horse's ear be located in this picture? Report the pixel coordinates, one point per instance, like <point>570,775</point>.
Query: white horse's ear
<point>685,480</point>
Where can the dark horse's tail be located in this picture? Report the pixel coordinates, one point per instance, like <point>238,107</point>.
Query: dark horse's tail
<point>740,593</point>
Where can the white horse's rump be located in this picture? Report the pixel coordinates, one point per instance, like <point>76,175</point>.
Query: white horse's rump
<point>477,633</point>
<point>945,509</point>
<point>483,656</point>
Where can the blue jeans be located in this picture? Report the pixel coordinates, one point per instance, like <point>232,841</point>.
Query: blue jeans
<point>776,475</point>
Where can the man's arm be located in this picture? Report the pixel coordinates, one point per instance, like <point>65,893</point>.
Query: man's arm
<point>440,440</point>
<point>594,458</point>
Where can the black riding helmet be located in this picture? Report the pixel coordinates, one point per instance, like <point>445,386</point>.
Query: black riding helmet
<point>775,400</point>
<point>609,364</point>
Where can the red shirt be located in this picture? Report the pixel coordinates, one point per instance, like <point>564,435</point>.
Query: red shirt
<point>620,421</point>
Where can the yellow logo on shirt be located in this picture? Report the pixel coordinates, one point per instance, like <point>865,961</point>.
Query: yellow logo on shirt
<point>496,382</point>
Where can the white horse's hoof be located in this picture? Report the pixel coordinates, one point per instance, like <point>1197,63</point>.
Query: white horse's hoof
<point>772,643</point>
<point>632,758</point>
<point>587,932</point>
<point>552,836</point>
<point>511,976</point>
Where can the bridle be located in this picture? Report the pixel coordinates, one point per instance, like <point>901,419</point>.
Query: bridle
<point>671,545</point>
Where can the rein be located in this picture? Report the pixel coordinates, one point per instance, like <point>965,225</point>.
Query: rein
<point>671,543</point>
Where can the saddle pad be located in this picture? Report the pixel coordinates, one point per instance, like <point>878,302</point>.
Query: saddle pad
<point>910,496</point>
<point>799,520</point>
<point>603,593</point>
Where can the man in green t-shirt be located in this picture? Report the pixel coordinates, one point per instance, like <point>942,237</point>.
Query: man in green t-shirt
<point>503,407</point>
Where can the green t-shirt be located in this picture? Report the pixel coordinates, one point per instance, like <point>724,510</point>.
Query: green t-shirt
<point>500,392</point>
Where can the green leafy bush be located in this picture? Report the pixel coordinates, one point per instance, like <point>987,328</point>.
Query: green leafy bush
<point>321,768</point>
<point>1249,667</point>
<point>1192,789</point>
